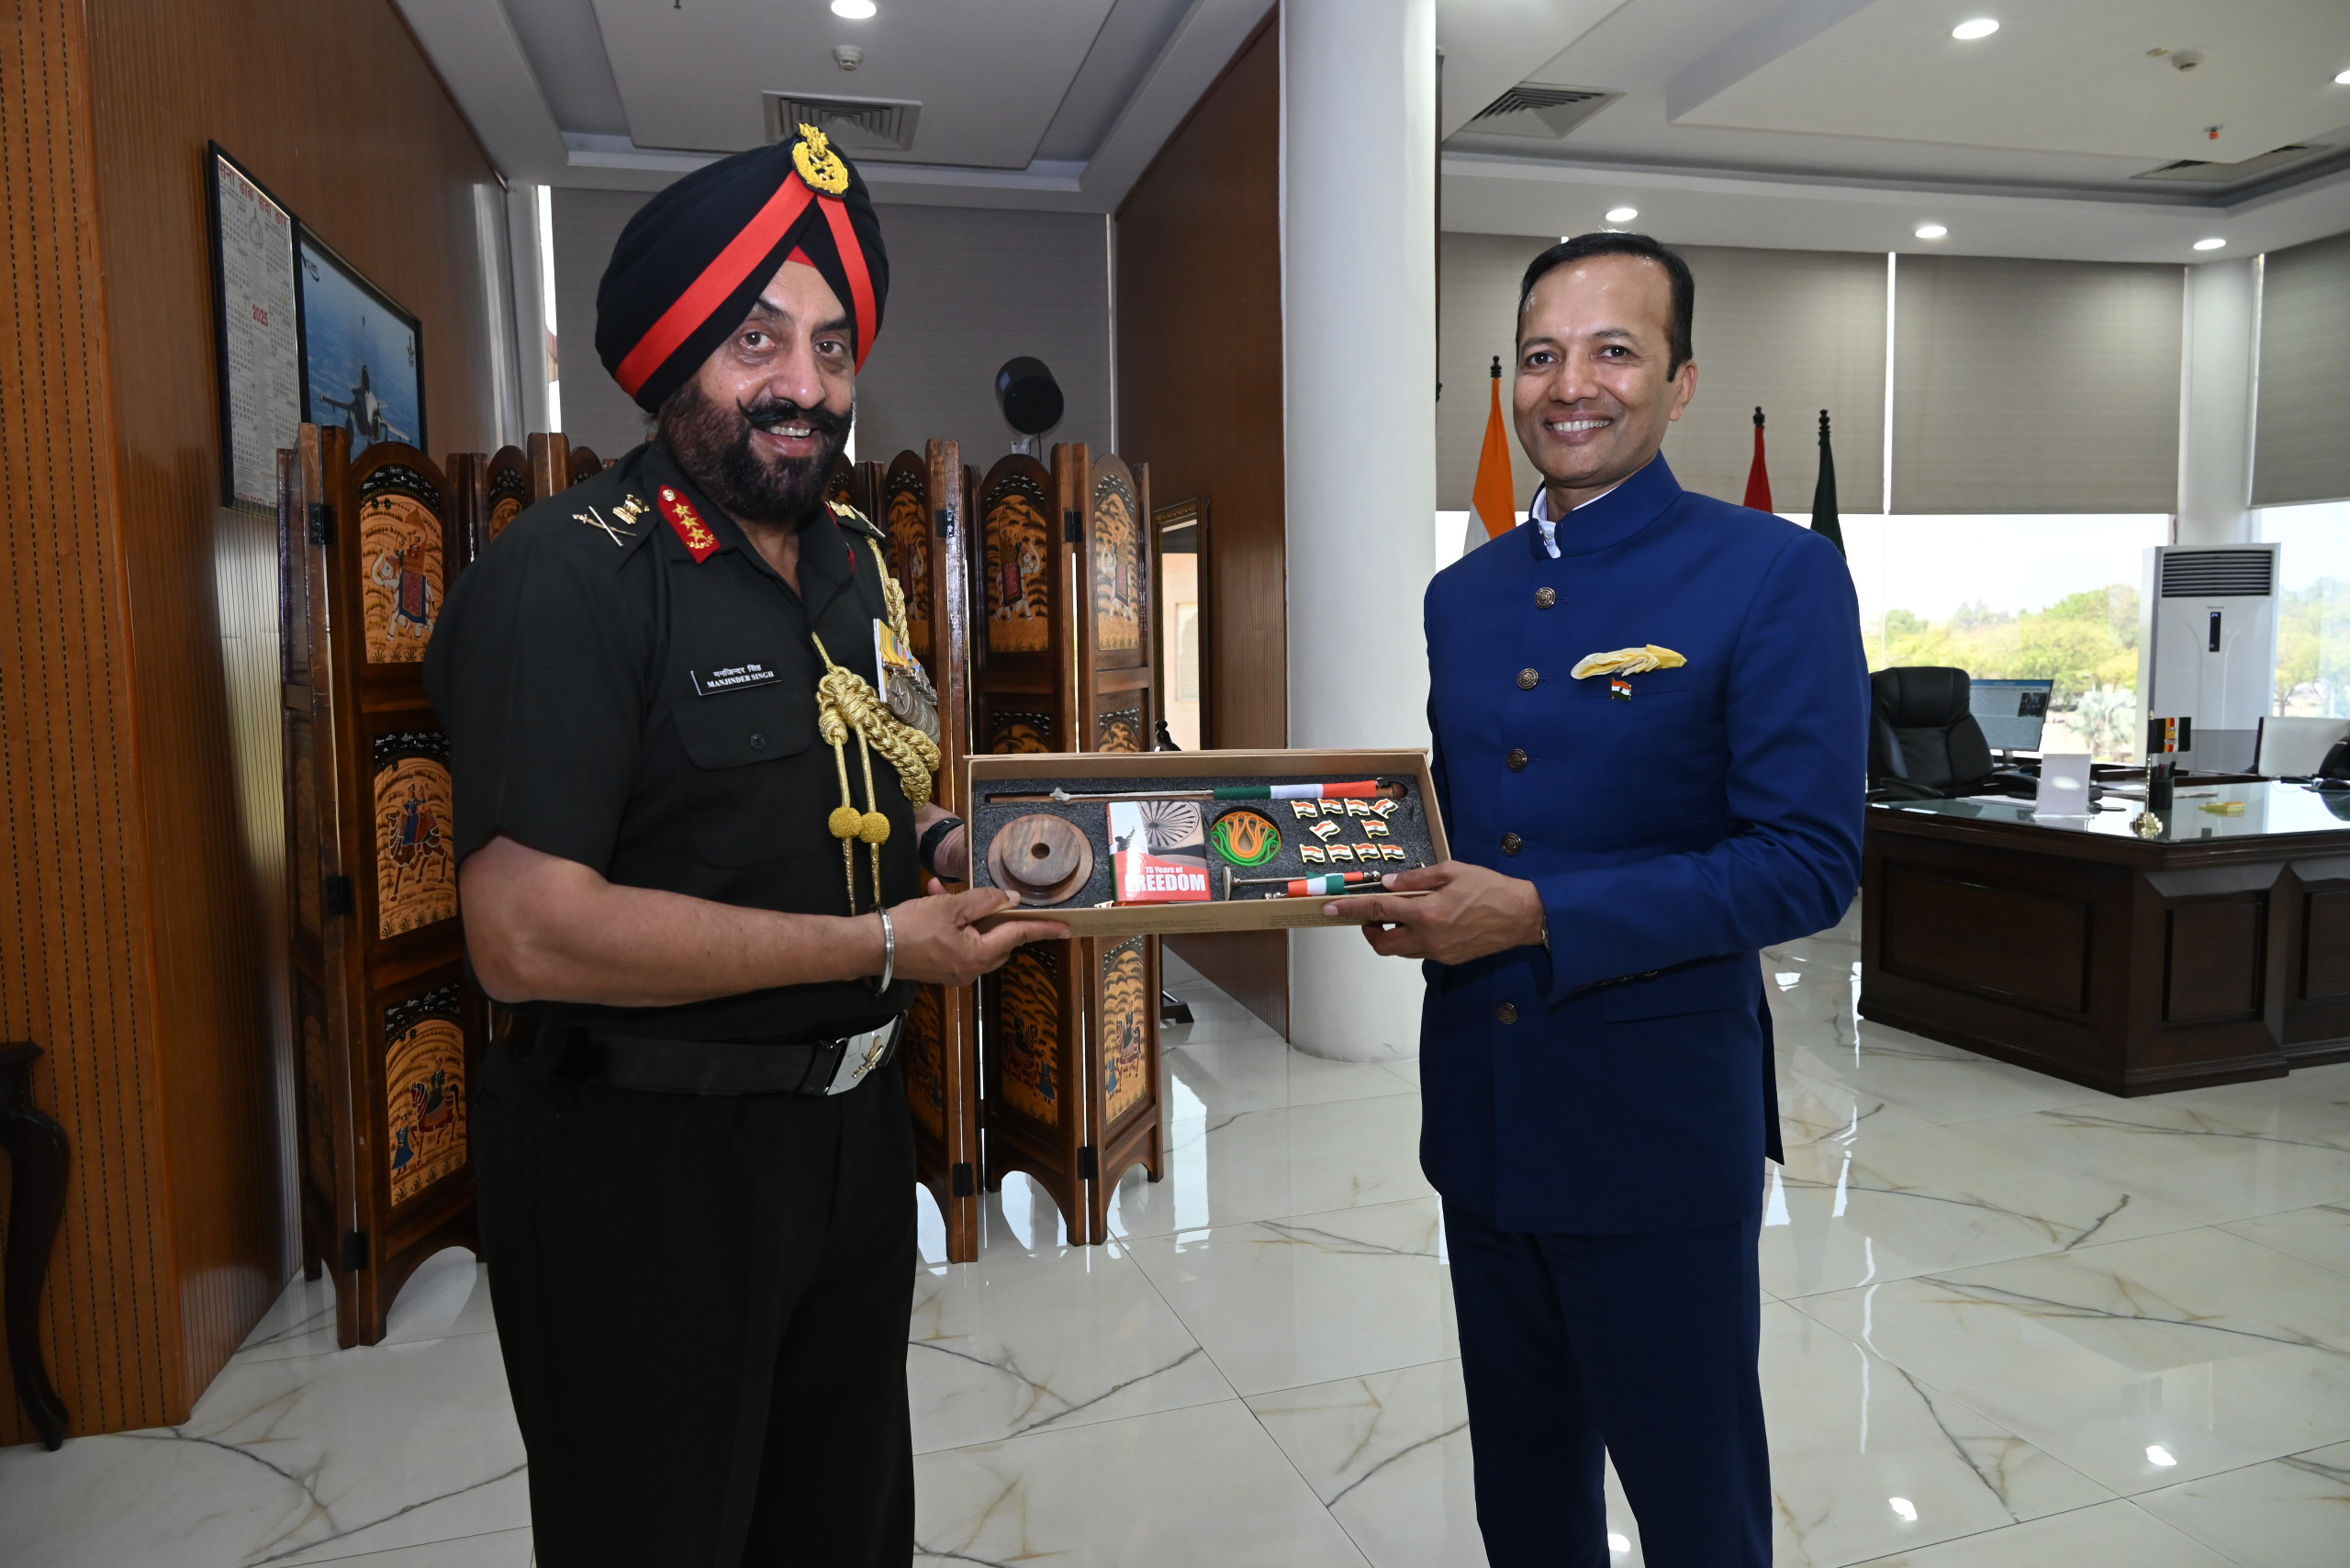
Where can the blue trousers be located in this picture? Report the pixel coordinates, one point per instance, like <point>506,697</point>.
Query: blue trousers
<point>1642,1347</point>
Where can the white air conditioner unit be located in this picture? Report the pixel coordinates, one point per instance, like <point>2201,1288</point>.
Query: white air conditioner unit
<point>2207,645</point>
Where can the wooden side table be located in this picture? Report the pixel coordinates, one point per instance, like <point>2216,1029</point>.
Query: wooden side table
<point>36,1147</point>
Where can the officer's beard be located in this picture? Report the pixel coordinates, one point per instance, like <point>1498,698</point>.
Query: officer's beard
<point>712,443</point>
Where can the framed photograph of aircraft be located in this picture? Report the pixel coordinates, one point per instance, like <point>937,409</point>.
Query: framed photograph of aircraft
<point>362,355</point>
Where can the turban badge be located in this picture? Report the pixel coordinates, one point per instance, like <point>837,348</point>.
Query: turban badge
<point>818,163</point>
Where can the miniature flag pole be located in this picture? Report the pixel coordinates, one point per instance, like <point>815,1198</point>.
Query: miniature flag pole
<point>1824,521</point>
<point>1758,477</point>
<point>1495,499</point>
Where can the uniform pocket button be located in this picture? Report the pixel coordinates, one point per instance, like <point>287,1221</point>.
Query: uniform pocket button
<point>1512,843</point>
<point>1528,678</point>
<point>1506,1013</point>
<point>1516,759</point>
<point>758,742</point>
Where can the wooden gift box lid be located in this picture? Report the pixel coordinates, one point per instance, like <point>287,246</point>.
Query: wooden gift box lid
<point>987,772</point>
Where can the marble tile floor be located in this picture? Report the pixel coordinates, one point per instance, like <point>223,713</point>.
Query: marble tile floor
<point>2007,1322</point>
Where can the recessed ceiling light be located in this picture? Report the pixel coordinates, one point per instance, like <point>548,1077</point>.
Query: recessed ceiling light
<point>1622,214</point>
<point>863,10</point>
<point>2211,244</point>
<point>1980,27</point>
<point>1931,231</point>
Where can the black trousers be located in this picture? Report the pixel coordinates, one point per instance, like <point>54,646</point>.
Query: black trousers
<point>702,1306</point>
<point>1578,1348</point>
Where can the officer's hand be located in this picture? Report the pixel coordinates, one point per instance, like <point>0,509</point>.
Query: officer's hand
<point>937,945</point>
<point>1469,912</point>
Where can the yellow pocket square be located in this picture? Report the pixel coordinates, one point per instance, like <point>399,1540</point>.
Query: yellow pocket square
<point>1629,661</point>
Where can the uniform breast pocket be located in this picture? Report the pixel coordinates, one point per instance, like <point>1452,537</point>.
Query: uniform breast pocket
<point>740,729</point>
<point>761,785</point>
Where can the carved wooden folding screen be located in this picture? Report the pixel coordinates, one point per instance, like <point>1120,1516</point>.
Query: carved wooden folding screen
<point>584,466</point>
<point>1117,702</point>
<point>505,491</point>
<point>1033,1058</point>
<point>390,1031</point>
<point>922,512</point>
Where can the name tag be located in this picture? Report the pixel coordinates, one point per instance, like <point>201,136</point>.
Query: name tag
<point>731,677</point>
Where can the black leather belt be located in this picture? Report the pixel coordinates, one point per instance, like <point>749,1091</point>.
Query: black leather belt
<point>708,1067</point>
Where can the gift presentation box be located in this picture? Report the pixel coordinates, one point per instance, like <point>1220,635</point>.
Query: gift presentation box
<point>1090,906</point>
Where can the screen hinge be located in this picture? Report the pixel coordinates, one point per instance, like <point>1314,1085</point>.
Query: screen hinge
<point>1089,1162</point>
<point>1072,525</point>
<point>961,1179</point>
<point>354,1251</point>
<point>342,897</point>
<point>322,523</point>
<point>947,523</point>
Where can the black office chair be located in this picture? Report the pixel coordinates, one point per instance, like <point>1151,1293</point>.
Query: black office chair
<point>1923,743</point>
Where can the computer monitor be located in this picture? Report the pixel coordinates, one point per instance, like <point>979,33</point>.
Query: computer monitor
<point>2010,711</point>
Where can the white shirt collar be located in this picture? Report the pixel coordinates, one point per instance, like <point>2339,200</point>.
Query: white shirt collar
<point>1541,518</point>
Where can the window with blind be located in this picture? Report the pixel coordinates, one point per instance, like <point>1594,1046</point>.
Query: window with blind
<point>2302,430</point>
<point>2031,387</point>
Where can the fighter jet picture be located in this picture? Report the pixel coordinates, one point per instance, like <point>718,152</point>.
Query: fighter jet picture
<point>363,416</point>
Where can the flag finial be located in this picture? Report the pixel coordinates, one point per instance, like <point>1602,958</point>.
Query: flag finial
<point>1823,422</point>
<point>1758,416</point>
<point>1497,367</point>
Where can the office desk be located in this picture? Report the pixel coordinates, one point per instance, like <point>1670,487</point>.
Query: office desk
<point>2218,952</point>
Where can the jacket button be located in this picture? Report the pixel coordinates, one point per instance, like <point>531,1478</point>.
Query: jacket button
<point>1526,679</point>
<point>1545,598</point>
<point>1517,760</point>
<point>1506,1013</point>
<point>758,742</point>
<point>1512,843</point>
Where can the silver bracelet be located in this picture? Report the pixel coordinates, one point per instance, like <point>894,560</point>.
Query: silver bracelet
<point>889,950</point>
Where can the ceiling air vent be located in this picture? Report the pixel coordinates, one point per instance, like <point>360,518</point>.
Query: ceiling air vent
<point>1540,110</point>
<point>858,124</point>
<point>2197,170</point>
<point>2219,574</point>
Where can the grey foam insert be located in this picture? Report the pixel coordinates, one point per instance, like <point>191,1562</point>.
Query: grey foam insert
<point>1407,827</point>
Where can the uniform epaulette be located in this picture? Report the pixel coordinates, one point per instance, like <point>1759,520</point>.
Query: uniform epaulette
<point>849,516</point>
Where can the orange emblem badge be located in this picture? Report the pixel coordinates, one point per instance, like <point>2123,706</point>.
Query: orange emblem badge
<point>700,542</point>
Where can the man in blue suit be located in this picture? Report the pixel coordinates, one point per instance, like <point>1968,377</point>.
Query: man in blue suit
<point>1649,713</point>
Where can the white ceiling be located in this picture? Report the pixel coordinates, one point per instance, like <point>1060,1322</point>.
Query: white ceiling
<point>1830,124</point>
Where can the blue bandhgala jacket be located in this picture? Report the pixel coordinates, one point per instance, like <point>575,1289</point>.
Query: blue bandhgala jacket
<point>1672,834</point>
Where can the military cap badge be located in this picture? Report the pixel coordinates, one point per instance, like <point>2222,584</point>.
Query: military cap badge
<point>817,162</point>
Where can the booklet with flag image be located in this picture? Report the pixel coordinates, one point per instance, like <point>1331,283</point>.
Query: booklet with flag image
<point>1159,851</point>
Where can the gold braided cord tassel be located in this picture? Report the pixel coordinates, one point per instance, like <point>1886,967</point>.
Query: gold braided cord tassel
<point>845,702</point>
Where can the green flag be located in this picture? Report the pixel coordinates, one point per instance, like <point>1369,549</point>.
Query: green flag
<point>1823,499</point>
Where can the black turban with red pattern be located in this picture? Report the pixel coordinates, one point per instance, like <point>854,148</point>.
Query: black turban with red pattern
<point>691,263</point>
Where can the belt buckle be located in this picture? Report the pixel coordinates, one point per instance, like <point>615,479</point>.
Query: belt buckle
<point>860,1054</point>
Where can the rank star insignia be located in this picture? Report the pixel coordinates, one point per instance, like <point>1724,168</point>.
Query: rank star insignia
<point>694,533</point>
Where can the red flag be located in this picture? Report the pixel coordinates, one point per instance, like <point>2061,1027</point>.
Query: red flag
<point>1758,478</point>
<point>1494,498</point>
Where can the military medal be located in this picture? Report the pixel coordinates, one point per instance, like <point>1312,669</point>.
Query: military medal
<point>1246,837</point>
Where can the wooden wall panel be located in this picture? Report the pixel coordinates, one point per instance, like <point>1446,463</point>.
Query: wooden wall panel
<point>149,833</point>
<point>1199,310</point>
<point>73,942</point>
